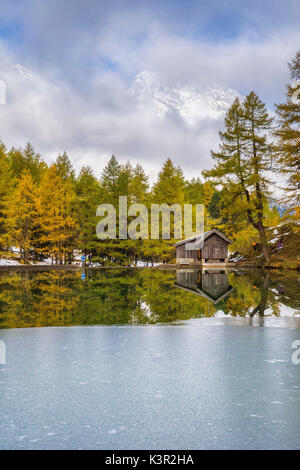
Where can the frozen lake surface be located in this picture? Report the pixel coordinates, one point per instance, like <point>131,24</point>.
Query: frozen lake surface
<point>215,383</point>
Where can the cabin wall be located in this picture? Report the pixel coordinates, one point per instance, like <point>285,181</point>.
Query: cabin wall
<point>184,256</point>
<point>215,249</point>
<point>215,284</point>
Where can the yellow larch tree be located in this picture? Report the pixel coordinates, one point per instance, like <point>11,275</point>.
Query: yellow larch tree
<point>22,216</point>
<point>56,217</point>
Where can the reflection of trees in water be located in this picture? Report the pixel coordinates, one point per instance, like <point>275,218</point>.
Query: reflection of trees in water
<point>253,292</point>
<point>55,298</point>
<point>264,291</point>
<point>139,296</point>
<point>36,299</point>
<point>258,291</point>
<point>169,303</point>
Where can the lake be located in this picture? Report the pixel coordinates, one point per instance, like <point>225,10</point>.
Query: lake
<point>149,359</point>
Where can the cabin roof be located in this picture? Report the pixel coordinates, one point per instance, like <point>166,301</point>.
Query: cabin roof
<point>205,236</point>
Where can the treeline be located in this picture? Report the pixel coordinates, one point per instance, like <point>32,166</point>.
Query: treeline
<point>47,211</point>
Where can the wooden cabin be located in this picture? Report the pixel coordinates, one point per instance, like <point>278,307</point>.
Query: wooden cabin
<point>210,248</point>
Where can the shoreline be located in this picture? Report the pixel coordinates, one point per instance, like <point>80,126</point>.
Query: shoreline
<point>75,267</point>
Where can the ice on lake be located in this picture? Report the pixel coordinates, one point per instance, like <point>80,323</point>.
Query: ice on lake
<point>201,384</point>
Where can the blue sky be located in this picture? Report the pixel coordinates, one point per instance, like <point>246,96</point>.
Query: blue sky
<point>69,67</point>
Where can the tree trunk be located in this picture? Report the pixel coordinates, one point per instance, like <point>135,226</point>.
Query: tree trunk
<point>261,307</point>
<point>264,242</point>
<point>26,255</point>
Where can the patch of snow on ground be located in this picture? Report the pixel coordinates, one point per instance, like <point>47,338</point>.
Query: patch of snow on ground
<point>8,262</point>
<point>285,311</point>
<point>237,258</point>
<point>144,264</point>
<point>220,314</point>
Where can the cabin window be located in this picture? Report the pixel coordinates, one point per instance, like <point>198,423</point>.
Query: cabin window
<point>222,259</point>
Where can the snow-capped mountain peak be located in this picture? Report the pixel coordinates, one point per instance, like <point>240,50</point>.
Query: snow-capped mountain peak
<point>191,104</point>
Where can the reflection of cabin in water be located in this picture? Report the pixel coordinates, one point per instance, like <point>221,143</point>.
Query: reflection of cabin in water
<point>211,284</point>
<point>211,248</point>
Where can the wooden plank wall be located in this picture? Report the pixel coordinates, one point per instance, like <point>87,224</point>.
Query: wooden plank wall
<point>214,248</point>
<point>181,252</point>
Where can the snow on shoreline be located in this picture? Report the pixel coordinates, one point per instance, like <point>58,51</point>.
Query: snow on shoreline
<point>8,262</point>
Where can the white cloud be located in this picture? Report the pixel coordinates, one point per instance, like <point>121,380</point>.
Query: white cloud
<point>94,114</point>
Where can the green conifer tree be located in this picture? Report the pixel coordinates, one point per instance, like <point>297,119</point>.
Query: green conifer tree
<point>6,185</point>
<point>110,180</point>
<point>65,168</point>
<point>88,196</point>
<point>287,134</point>
<point>27,158</point>
<point>242,162</point>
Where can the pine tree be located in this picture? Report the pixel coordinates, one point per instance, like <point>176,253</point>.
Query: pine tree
<point>214,205</point>
<point>5,193</point>
<point>169,187</point>
<point>208,193</point>
<point>22,215</point>
<point>88,197</point>
<point>114,181</point>
<point>242,162</point>
<point>26,159</point>
<point>139,185</point>
<point>65,168</point>
<point>124,181</point>
<point>287,135</point>
<point>194,191</point>
<point>110,180</point>
<point>137,194</point>
<point>259,154</point>
<point>56,216</point>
